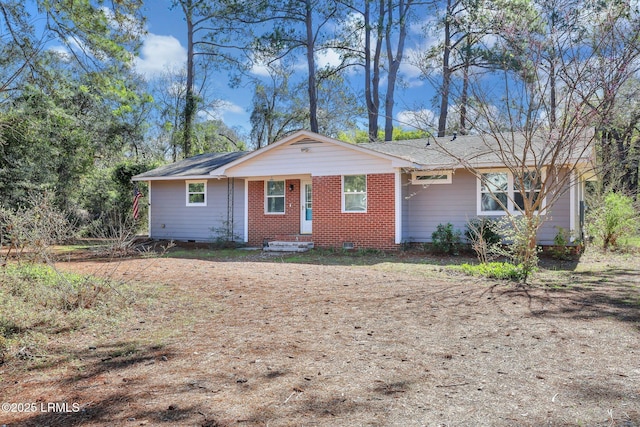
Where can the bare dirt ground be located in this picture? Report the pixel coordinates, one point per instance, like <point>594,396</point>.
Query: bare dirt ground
<point>390,342</point>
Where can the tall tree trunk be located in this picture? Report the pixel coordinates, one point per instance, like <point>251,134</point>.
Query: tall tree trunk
<point>394,63</point>
<point>446,74</point>
<point>311,67</point>
<point>190,103</point>
<point>464,97</point>
<point>552,95</point>
<point>372,68</point>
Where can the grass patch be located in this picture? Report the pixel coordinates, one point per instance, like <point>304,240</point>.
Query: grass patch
<point>38,301</point>
<point>494,270</point>
<point>210,253</point>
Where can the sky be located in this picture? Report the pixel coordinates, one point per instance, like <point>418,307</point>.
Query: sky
<point>164,46</point>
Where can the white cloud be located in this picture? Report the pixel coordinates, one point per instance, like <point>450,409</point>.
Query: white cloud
<point>230,107</point>
<point>328,58</point>
<point>159,54</point>
<point>419,119</point>
<point>221,110</point>
<point>260,70</point>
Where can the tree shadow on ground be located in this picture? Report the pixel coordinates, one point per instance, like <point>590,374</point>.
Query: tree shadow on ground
<point>611,293</point>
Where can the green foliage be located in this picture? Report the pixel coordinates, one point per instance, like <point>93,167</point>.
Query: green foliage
<point>37,300</point>
<point>358,136</point>
<point>488,229</point>
<point>106,196</point>
<point>561,249</point>
<point>613,220</point>
<point>495,270</point>
<point>520,233</point>
<point>445,239</point>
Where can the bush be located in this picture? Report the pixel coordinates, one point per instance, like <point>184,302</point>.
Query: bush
<point>38,301</point>
<point>33,230</point>
<point>445,239</point>
<point>520,233</point>
<point>613,221</point>
<point>484,236</point>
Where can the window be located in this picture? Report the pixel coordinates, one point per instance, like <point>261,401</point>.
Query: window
<point>354,193</point>
<point>196,193</point>
<point>532,184</point>
<point>493,192</point>
<point>499,191</point>
<point>275,197</point>
<point>431,177</point>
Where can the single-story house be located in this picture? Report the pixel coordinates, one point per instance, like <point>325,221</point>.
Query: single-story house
<point>311,188</point>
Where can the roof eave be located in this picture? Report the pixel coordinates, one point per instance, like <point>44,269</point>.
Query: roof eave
<point>174,177</point>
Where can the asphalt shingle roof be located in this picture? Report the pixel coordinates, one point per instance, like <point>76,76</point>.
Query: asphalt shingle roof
<point>475,150</point>
<point>429,153</point>
<point>199,165</point>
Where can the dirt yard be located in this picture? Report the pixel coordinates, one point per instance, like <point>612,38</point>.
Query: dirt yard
<point>259,341</point>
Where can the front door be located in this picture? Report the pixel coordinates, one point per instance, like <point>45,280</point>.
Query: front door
<point>306,203</point>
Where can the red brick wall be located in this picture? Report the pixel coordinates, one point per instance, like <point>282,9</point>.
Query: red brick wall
<point>267,226</point>
<point>372,229</point>
<point>331,227</point>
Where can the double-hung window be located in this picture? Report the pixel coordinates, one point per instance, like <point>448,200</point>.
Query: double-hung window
<point>494,187</point>
<point>500,192</point>
<point>274,194</point>
<point>531,183</point>
<point>196,193</point>
<point>354,193</point>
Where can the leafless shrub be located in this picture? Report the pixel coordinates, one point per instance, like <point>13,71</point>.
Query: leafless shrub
<point>118,232</point>
<point>33,230</point>
<point>484,238</point>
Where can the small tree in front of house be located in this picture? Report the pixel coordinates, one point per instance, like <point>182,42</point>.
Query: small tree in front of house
<point>539,124</point>
<point>613,220</point>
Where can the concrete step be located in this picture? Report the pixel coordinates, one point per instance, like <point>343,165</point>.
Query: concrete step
<point>282,246</point>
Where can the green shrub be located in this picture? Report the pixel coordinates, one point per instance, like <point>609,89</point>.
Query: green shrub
<point>445,239</point>
<point>520,234</point>
<point>561,248</point>
<point>495,270</point>
<point>612,221</point>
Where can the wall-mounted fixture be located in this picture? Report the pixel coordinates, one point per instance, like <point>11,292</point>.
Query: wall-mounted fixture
<point>291,187</point>
<point>304,150</point>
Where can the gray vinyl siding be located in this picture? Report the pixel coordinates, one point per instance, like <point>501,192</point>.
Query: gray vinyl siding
<point>171,219</point>
<point>423,208</point>
<point>558,215</point>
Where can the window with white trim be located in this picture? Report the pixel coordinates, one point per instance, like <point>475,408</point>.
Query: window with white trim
<point>494,195</point>
<point>431,177</point>
<point>354,193</point>
<point>274,195</point>
<point>196,193</point>
<point>499,193</point>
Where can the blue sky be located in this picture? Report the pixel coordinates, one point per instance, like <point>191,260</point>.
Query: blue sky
<point>164,46</point>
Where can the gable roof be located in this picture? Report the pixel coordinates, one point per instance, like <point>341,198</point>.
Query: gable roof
<point>309,137</point>
<point>430,153</point>
<point>199,166</point>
